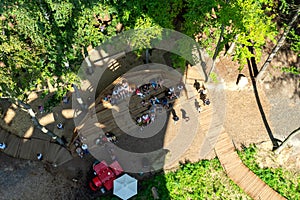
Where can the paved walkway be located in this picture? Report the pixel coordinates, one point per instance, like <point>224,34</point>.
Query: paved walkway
<point>240,174</point>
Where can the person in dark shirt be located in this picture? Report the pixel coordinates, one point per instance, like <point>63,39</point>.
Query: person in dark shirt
<point>197,85</point>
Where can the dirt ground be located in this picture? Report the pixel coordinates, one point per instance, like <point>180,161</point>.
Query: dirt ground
<point>35,180</point>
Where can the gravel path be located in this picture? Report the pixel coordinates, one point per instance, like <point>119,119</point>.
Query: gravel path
<point>285,112</point>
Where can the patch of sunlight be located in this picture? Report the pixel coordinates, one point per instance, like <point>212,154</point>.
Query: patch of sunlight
<point>86,86</point>
<point>68,113</point>
<point>92,105</point>
<point>114,66</point>
<point>77,112</point>
<point>51,87</point>
<point>97,124</point>
<point>29,132</point>
<point>79,127</point>
<point>47,119</point>
<point>101,58</point>
<point>9,116</point>
<point>32,96</point>
<point>109,106</point>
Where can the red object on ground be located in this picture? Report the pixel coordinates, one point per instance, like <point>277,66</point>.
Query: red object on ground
<point>95,183</point>
<point>109,184</point>
<point>98,168</point>
<point>116,168</point>
<point>105,175</point>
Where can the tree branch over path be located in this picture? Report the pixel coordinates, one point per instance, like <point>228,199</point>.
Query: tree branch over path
<point>287,140</point>
<point>279,44</point>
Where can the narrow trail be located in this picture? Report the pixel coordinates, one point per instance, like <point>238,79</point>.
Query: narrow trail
<point>239,173</point>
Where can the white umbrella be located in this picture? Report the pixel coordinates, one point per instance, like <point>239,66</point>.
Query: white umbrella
<point>125,187</point>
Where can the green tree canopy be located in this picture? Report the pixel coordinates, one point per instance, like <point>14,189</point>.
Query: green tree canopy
<point>249,20</point>
<point>41,40</point>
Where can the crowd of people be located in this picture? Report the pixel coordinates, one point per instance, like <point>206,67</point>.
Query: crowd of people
<point>147,92</point>
<point>120,92</point>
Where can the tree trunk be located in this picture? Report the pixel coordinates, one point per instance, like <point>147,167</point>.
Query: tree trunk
<point>217,50</point>
<point>147,55</point>
<point>286,141</point>
<point>260,76</point>
<point>232,45</point>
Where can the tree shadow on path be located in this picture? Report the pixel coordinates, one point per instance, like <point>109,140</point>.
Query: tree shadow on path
<point>252,71</point>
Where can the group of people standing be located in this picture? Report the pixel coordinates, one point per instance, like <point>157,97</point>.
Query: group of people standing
<point>203,94</point>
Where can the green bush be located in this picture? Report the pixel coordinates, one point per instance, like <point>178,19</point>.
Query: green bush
<point>283,181</point>
<point>202,180</point>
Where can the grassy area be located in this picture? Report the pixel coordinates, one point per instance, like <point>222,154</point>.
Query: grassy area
<point>285,182</point>
<point>202,180</point>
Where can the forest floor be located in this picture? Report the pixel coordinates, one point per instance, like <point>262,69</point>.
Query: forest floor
<point>279,97</point>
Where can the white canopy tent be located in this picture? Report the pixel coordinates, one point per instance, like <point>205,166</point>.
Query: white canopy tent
<point>125,187</point>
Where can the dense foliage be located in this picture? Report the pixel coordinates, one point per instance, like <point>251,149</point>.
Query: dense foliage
<point>283,181</point>
<point>203,180</point>
<point>245,20</point>
<point>43,41</point>
<point>286,9</point>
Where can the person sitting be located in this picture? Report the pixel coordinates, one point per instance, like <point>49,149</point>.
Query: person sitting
<point>113,101</point>
<point>145,88</point>
<point>160,83</point>
<point>116,93</point>
<point>154,100</point>
<point>144,103</point>
<point>122,92</point>
<point>139,121</point>
<point>111,137</point>
<point>84,147</point>
<point>154,84</point>
<point>171,93</point>
<point>164,102</point>
<point>139,93</point>
<point>107,98</point>
<point>152,116</point>
<point>146,119</point>
<point>127,88</point>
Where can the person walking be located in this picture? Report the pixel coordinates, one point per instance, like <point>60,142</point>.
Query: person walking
<point>197,85</point>
<point>175,117</point>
